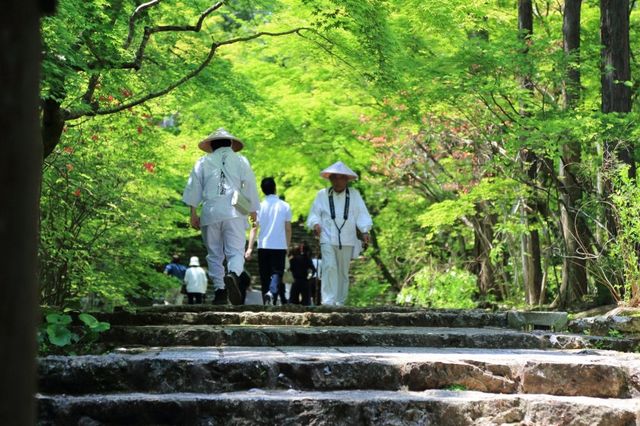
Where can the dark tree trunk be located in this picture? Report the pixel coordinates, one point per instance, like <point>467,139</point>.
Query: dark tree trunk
<point>571,44</point>
<point>530,242</point>
<point>574,273</point>
<point>52,124</point>
<point>614,32</point>
<point>20,168</point>
<point>616,70</point>
<point>525,30</point>
<point>616,97</point>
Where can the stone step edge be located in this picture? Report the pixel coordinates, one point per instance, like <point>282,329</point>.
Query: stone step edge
<point>304,372</point>
<point>260,335</point>
<point>363,407</point>
<point>441,319</point>
<point>527,320</point>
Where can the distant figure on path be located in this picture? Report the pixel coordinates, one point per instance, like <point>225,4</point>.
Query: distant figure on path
<point>196,281</point>
<point>335,215</point>
<point>273,227</point>
<point>315,283</point>
<point>302,268</point>
<point>177,270</point>
<point>212,183</point>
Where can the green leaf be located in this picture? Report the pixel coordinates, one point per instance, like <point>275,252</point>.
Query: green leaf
<point>88,319</point>
<point>59,335</point>
<point>59,319</point>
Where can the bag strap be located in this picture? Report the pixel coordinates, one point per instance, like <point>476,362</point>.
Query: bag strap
<point>226,173</point>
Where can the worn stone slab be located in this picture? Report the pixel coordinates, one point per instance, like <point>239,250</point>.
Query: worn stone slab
<point>572,373</point>
<point>532,320</point>
<point>203,335</point>
<point>358,317</point>
<point>607,325</point>
<point>257,407</point>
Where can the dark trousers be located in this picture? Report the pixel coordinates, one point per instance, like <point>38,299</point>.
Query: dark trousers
<point>244,281</point>
<point>195,298</point>
<point>300,288</point>
<point>271,265</point>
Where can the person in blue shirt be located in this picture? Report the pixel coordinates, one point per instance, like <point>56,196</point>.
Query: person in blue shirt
<point>177,270</point>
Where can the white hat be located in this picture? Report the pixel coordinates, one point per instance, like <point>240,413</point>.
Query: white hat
<point>339,168</point>
<point>205,144</point>
<point>194,261</point>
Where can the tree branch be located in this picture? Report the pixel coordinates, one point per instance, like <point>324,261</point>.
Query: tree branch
<point>134,16</point>
<point>91,87</point>
<point>148,31</point>
<point>72,115</point>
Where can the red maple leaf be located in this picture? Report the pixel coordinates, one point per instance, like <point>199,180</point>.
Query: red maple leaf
<point>149,166</point>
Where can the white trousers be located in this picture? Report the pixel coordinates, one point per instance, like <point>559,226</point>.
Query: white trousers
<point>335,273</point>
<point>224,239</point>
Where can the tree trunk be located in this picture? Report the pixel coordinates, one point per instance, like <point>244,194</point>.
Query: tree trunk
<point>614,31</point>
<point>531,260</point>
<point>20,168</point>
<point>52,124</point>
<point>483,243</point>
<point>616,94</point>
<point>530,242</point>
<point>525,30</point>
<point>574,273</point>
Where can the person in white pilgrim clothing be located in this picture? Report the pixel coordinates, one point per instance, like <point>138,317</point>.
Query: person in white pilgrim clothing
<point>211,184</point>
<point>335,214</point>
<point>195,280</point>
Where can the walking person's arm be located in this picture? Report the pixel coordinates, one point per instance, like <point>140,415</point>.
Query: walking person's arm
<point>252,239</point>
<point>195,219</point>
<point>363,219</point>
<point>192,195</point>
<point>287,232</point>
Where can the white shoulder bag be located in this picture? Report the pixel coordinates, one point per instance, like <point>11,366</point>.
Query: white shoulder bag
<point>238,200</point>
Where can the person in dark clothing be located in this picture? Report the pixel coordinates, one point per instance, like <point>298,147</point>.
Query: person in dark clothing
<point>244,282</point>
<point>300,266</point>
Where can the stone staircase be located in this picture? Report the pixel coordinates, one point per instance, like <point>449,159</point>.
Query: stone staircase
<point>204,365</point>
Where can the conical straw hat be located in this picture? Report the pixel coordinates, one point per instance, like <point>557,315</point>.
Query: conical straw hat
<point>338,168</point>
<point>205,144</point>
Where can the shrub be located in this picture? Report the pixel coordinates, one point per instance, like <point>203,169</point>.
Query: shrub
<point>451,288</point>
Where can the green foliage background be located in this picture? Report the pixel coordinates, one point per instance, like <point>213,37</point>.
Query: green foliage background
<point>421,98</point>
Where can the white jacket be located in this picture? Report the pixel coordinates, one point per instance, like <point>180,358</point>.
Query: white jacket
<point>321,214</point>
<point>206,185</point>
<point>196,280</point>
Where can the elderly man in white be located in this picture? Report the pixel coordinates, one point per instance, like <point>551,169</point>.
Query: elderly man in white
<point>335,214</point>
<point>212,182</point>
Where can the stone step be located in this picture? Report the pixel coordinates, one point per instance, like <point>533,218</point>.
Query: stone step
<point>258,315</point>
<point>437,337</point>
<point>604,374</point>
<point>258,407</point>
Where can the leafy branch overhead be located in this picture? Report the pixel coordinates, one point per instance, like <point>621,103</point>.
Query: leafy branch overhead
<point>140,59</point>
<point>117,75</point>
